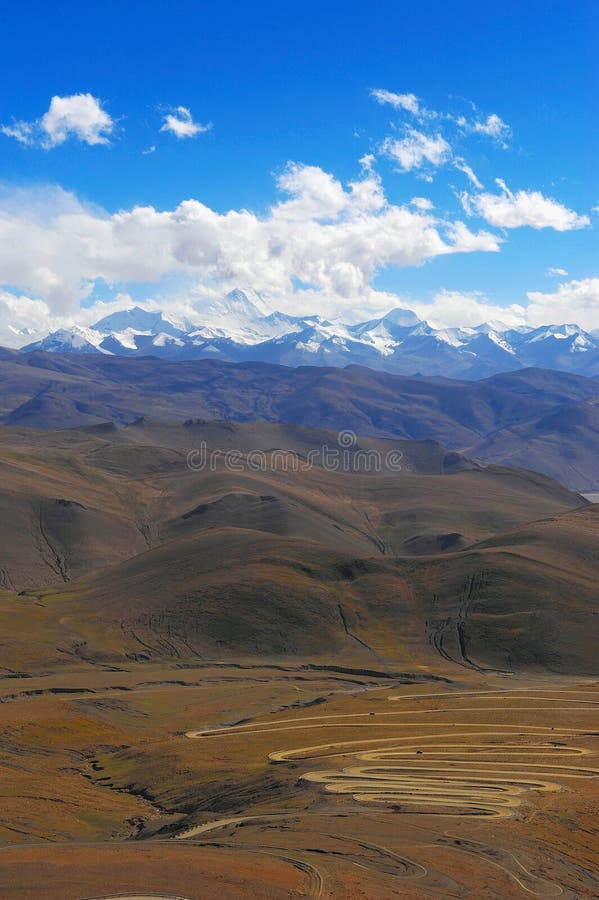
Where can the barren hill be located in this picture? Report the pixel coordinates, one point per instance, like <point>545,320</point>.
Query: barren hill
<point>495,419</point>
<point>125,551</point>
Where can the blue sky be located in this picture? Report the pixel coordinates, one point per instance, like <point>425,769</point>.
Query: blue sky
<point>282,83</point>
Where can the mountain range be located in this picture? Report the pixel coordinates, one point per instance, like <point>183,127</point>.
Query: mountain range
<point>536,419</point>
<point>240,328</point>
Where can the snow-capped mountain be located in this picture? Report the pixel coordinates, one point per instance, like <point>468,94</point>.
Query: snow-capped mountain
<point>240,327</point>
<point>140,320</point>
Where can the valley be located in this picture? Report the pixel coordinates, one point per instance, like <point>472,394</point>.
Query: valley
<point>291,680</point>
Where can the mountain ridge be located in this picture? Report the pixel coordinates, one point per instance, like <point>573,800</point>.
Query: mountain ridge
<point>240,328</point>
<point>494,419</point>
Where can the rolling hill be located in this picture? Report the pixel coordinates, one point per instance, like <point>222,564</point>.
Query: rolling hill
<point>529,417</point>
<point>115,548</point>
<point>563,443</point>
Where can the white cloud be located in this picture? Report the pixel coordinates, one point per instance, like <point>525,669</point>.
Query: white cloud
<point>493,126</point>
<point>458,309</point>
<point>422,203</point>
<point>416,149</point>
<point>575,302</point>
<point>463,166</point>
<point>23,132</point>
<point>409,102</point>
<point>419,150</point>
<point>79,115</point>
<point>180,123</point>
<point>468,241</point>
<point>148,151</point>
<point>22,319</point>
<point>313,193</point>
<point>513,210</point>
<point>552,270</point>
<point>331,237</point>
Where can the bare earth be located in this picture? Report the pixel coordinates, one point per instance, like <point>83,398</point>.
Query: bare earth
<point>335,786</point>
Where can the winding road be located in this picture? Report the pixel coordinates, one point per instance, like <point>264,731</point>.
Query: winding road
<point>438,763</point>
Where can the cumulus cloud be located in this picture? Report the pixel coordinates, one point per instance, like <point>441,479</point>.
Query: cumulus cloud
<point>313,194</point>
<point>331,238</point>
<point>22,319</point>
<point>180,123</point>
<point>409,102</point>
<point>553,271</point>
<point>80,116</point>
<point>575,302</point>
<point>513,210</point>
<point>416,149</point>
<point>459,309</point>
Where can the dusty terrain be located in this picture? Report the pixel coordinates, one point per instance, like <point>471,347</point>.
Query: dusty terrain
<point>332,784</point>
<point>265,684</point>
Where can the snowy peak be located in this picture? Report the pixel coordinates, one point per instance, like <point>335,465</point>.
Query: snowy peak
<point>555,332</point>
<point>137,320</point>
<point>240,327</point>
<point>405,318</point>
<point>73,340</point>
<point>237,306</point>
<point>243,317</point>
